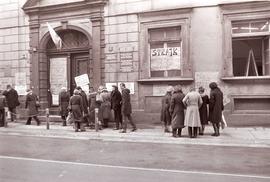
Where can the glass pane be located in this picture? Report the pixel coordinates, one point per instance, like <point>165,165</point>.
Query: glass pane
<point>173,33</point>
<point>157,73</point>
<point>156,34</point>
<point>174,44</point>
<point>247,57</point>
<point>174,73</point>
<point>260,26</point>
<point>240,27</point>
<point>156,45</point>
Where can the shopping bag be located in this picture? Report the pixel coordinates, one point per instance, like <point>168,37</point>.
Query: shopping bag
<point>70,118</point>
<point>223,122</point>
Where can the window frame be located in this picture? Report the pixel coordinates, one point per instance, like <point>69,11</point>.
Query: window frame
<point>230,15</point>
<point>164,19</point>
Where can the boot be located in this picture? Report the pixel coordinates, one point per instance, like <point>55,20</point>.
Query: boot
<point>190,132</point>
<point>174,133</point>
<point>201,130</point>
<point>179,132</point>
<point>195,132</point>
<point>64,123</point>
<point>166,130</point>
<point>215,130</point>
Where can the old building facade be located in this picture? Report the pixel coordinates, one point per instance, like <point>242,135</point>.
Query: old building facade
<point>148,44</point>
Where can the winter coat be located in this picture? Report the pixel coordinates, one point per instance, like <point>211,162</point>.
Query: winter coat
<point>116,99</point>
<point>92,106</point>
<point>177,109</point>
<point>12,98</point>
<point>76,107</point>
<point>165,108</point>
<point>105,106</point>
<point>63,102</point>
<point>126,105</point>
<point>3,102</point>
<point>216,105</point>
<point>203,110</point>
<point>193,101</point>
<point>85,103</point>
<point>31,103</point>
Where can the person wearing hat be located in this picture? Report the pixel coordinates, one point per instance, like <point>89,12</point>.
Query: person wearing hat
<point>85,104</point>
<point>31,103</point>
<point>215,107</point>
<point>203,110</point>
<point>76,107</point>
<point>165,116</point>
<point>105,107</point>
<point>116,99</point>
<point>64,97</point>
<point>177,109</point>
<point>12,101</point>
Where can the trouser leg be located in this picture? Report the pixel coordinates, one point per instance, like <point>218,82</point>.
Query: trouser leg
<point>174,130</point>
<point>179,132</point>
<point>76,126</point>
<point>12,113</point>
<point>195,132</point>
<point>124,125</point>
<point>105,123</point>
<point>28,122</point>
<point>131,122</point>
<point>201,130</point>
<point>64,120</point>
<point>190,132</point>
<point>37,120</point>
<point>117,118</point>
<point>218,126</point>
<point>215,129</point>
<point>2,118</point>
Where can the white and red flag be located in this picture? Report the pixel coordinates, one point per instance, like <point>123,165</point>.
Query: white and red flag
<point>55,37</point>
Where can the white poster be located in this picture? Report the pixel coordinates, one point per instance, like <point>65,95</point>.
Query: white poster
<point>58,77</point>
<point>160,90</point>
<point>109,86</point>
<point>129,85</point>
<point>83,81</point>
<point>20,83</point>
<point>165,58</point>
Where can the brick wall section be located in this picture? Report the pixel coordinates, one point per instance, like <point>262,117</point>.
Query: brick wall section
<point>14,42</point>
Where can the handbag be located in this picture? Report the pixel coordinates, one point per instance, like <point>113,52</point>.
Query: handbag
<point>70,118</point>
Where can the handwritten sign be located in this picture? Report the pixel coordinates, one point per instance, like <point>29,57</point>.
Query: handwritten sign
<point>58,77</point>
<point>165,58</point>
<point>83,81</point>
<point>20,83</point>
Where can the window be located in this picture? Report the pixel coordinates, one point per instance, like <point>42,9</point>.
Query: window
<point>165,52</point>
<point>250,48</point>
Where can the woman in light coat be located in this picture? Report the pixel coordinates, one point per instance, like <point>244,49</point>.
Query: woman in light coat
<point>193,101</point>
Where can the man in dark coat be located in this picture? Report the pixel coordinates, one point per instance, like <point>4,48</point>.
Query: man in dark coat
<point>126,109</point>
<point>215,107</point>
<point>92,105</point>
<point>116,99</point>
<point>85,104</point>
<point>31,103</point>
<point>12,101</point>
<point>64,97</point>
<point>165,116</point>
<point>3,104</point>
<point>177,109</point>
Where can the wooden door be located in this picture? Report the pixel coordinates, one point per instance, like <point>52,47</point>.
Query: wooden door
<point>80,64</point>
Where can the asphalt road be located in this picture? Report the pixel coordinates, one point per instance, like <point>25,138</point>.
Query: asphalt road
<point>37,159</point>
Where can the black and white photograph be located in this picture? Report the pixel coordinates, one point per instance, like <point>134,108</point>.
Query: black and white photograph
<point>134,90</point>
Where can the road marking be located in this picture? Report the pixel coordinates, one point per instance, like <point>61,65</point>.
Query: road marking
<point>136,168</point>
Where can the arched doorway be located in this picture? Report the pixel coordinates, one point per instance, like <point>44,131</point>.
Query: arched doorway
<point>74,59</point>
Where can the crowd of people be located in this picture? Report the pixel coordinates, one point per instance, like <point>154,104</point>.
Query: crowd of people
<point>193,110</point>
<point>80,108</point>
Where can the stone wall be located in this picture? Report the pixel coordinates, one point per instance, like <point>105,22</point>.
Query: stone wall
<point>14,42</point>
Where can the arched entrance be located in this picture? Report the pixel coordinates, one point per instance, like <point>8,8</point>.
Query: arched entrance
<point>74,59</point>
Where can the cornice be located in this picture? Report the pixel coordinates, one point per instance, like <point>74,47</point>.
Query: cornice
<point>30,8</point>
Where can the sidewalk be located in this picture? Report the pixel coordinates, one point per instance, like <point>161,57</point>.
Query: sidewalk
<point>241,137</point>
